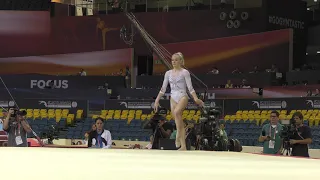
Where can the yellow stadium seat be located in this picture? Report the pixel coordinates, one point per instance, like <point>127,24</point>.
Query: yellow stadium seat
<point>293,111</point>
<point>245,112</point>
<point>264,112</point>
<point>282,116</point>
<point>257,112</point>
<point>138,116</point>
<point>227,117</point>
<point>192,112</point>
<point>110,112</point>
<point>58,119</point>
<point>284,112</point>
<point>78,116</point>
<point>304,112</point>
<point>104,112</point>
<point>316,121</point>
<point>124,115</point>
<point>184,116</point>
<point>109,117</point>
<point>198,112</point>
<point>245,117</point>
<point>251,112</point>
<point>143,117</point>
<point>64,115</point>
<point>189,117</point>
<point>239,112</point>
<point>196,118</point>
<point>125,112</point>
<point>186,112</point>
<point>95,116</point>
<point>51,115</point>
<point>257,116</point>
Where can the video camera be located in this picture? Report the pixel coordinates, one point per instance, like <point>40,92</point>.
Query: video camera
<point>158,116</point>
<point>18,112</point>
<point>289,129</point>
<point>208,129</point>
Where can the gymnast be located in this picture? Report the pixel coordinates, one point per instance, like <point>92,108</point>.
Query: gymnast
<point>179,79</point>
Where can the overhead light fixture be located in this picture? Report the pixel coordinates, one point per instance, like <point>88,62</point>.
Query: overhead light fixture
<point>318,52</point>
<point>308,9</point>
<point>307,54</point>
<point>315,0</point>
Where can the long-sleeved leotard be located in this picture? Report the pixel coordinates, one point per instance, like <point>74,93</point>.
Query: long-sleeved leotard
<point>178,84</point>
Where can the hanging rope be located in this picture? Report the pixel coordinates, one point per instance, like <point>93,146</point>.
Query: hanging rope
<point>163,54</point>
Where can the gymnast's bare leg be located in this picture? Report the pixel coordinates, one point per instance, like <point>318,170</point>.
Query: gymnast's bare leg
<point>173,105</point>
<point>177,113</point>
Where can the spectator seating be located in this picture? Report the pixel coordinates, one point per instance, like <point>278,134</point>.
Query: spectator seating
<point>127,124</point>
<point>139,115</point>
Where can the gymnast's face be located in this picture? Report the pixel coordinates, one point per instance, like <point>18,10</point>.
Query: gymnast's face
<point>176,62</point>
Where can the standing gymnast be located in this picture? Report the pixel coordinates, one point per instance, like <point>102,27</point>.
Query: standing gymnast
<point>179,79</point>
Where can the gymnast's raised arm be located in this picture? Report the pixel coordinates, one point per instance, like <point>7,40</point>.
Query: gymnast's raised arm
<point>162,91</point>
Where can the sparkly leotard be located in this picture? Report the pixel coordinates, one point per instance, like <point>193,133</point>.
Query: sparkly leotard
<point>178,84</point>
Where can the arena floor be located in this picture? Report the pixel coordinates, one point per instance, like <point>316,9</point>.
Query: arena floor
<point>93,164</point>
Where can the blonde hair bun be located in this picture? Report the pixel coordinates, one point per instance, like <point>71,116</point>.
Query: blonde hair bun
<point>181,57</point>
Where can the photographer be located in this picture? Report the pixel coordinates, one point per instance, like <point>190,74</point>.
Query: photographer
<point>17,128</point>
<point>160,128</point>
<point>301,137</point>
<point>270,135</point>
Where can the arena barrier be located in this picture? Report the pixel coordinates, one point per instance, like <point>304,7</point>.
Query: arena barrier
<point>226,106</point>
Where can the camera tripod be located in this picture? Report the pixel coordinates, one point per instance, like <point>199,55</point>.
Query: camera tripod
<point>155,144</point>
<point>286,148</point>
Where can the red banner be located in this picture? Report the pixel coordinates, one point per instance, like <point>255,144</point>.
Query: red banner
<point>243,52</point>
<point>94,63</point>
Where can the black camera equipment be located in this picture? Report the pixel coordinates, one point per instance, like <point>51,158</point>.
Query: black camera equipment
<point>18,112</point>
<point>209,133</point>
<point>153,124</point>
<point>287,133</point>
<point>51,134</point>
